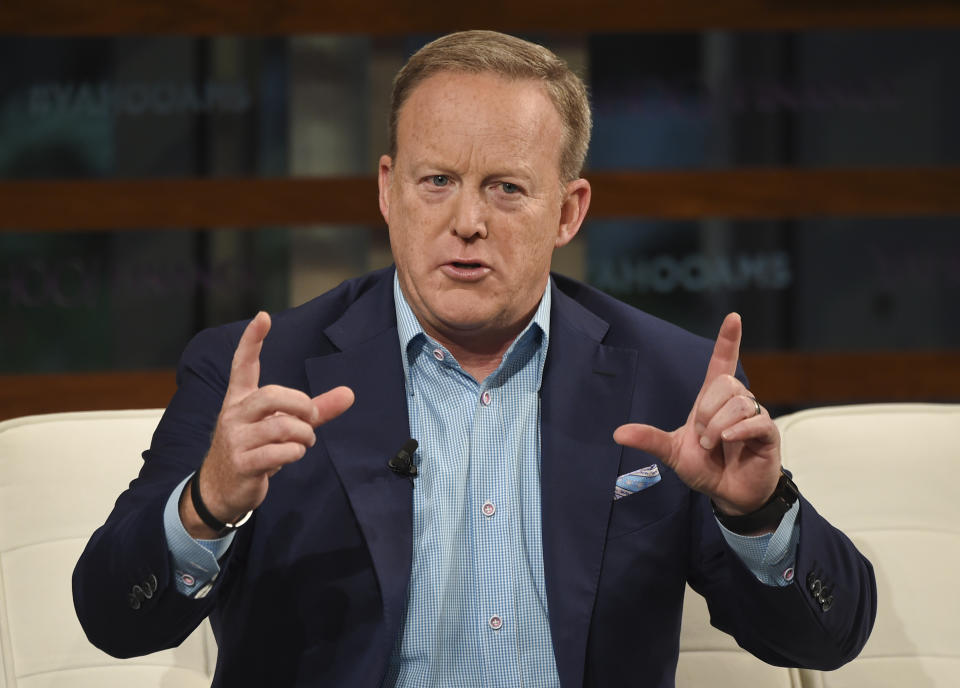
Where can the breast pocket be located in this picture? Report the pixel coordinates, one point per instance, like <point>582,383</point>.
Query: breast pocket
<point>634,512</point>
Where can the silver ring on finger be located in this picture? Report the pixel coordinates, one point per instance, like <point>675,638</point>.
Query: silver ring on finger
<point>757,404</point>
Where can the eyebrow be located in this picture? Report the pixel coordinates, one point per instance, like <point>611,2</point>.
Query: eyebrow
<point>431,166</point>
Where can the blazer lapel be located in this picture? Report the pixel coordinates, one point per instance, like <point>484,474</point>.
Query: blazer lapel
<point>362,440</point>
<point>586,393</point>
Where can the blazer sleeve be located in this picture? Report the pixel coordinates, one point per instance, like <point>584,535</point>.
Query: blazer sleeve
<point>130,549</point>
<point>820,621</point>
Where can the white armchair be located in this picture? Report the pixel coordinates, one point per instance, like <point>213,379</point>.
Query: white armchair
<point>59,476</point>
<point>888,475</point>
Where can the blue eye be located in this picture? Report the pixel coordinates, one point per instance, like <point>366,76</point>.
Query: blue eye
<point>509,188</point>
<point>440,180</point>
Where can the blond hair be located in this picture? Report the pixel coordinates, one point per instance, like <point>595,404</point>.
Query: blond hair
<point>511,58</point>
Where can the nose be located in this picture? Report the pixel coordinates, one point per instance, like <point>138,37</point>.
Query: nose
<point>469,220</point>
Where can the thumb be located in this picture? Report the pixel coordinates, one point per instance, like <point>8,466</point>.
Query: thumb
<point>645,438</point>
<point>331,404</point>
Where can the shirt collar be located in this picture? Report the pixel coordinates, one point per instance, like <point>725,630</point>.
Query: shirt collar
<point>409,328</point>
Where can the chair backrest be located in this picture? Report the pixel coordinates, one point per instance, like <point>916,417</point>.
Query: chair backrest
<point>887,475</point>
<point>59,477</point>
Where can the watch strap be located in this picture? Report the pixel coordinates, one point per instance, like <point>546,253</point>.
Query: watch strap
<point>767,516</point>
<point>208,518</point>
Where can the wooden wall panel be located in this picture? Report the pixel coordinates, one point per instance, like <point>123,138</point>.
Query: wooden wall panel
<point>186,203</point>
<point>808,379</point>
<point>248,203</point>
<point>22,395</point>
<point>770,193</point>
<point>777,378</point>
<point>383,17</point>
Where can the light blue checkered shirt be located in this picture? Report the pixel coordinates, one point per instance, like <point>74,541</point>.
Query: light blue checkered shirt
<point>477,608</point>
<point>477,550</point>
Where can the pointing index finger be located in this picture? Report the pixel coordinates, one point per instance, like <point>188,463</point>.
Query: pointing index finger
<point>726,350</point>
<point>245,369</point>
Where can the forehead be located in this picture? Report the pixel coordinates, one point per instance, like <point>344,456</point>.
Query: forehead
<point>457,113</point>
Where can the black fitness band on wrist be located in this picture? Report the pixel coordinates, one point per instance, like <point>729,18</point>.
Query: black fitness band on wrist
<point>203,512</point>
<point>768,515</point>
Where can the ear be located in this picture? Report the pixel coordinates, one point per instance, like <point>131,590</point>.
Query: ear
<point>573,209</point>
<point>383,182</point>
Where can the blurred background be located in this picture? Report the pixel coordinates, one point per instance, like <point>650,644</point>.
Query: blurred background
<point>166,167</point>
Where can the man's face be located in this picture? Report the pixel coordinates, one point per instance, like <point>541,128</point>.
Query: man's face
<point>474,203</point>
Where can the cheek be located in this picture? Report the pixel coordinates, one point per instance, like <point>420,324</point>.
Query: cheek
<point>533,245</point>
<point>417,221</point>
<point>404,229</point>
<point>402,247</point>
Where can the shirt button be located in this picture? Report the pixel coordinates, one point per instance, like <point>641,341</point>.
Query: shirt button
<point>438,354</point>
<point>495,622</point>
<point>485,398</point>
<point>489,509</point>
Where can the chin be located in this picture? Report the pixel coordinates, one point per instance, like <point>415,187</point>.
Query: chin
<point>464,306</point>
<point>465,322</point>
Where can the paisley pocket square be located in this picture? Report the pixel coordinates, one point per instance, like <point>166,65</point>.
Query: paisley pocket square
<point>640,479</point>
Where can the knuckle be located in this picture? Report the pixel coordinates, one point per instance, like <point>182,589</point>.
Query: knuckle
<point>271,390</point>
<point>269,429</point>
<point>228,417</point>
<point>231,419</point>
<point>287,398</point>
<point>731,382</point>
<point>267,395</point>
<point>286,428</point>
<point>258,456</point>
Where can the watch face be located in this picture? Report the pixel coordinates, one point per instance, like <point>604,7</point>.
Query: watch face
<point>787,490</point>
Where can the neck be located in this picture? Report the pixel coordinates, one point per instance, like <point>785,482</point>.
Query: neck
<point>479,354</point>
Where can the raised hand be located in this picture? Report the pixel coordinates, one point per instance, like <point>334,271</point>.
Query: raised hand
<point>259,430</point>
<point>729,448</point>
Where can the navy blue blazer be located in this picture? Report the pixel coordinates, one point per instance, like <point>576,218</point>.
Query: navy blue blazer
<point>312,591</point>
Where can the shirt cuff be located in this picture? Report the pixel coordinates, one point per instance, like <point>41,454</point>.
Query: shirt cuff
<point>769,557</point>
<point>195,562</point>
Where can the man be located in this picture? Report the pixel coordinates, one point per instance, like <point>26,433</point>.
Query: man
<point>546,539</point>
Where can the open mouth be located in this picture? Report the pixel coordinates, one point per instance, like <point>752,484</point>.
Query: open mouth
<point>466,266</point>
